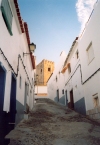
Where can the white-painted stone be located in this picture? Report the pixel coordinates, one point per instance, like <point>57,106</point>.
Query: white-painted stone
<point>81,68</point>
<point>12,46</point>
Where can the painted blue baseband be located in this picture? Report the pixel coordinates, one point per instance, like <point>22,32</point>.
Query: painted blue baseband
<point>62,100</point>
<point>56,99</point>
<point>80,107</point>
<point>20,112</point>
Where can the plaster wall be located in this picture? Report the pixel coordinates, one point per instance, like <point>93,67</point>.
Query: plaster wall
<point>12,46</point>
<point>53,84</point>
<point>91,34</point>
<point>91,88</point>
<point>84,91</point>
<point>73,81</point>
<point>84,77</point>
<point>41,89</point>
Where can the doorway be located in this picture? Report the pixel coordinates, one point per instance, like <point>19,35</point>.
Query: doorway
<point>3,119</point>
<point>58,95</point>
<point>2,87</point>
<point>66,98</point>
<point>12,115</point>
<point>26,94</point>
<point>71,100</point>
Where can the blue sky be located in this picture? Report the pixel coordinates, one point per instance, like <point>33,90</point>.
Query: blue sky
<point>53,26</point>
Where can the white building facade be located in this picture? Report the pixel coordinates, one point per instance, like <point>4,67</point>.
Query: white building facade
<point>74,91</point>
<point>16,67</point>
<point>89,57</point>
<point>55,85</point>
<point>81,70</point>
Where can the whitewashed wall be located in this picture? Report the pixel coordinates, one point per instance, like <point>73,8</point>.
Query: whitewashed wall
<point>91,34</point>
<point>73,81</point>
<point>41,89</point>
<point>52,85</point>
<point>84,78</point>
<point>12,46</point>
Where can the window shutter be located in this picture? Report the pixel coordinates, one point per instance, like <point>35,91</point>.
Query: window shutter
<point>7,14</point>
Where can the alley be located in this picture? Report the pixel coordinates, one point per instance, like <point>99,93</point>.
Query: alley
<point>50,123</point>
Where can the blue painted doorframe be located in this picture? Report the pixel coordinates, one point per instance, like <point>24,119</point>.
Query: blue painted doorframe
<point>3,114</point>
<point>2,86</point>
<point>12,115</point>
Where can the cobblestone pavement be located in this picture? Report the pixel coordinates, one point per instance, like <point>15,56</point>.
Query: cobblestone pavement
<point>52,124</point>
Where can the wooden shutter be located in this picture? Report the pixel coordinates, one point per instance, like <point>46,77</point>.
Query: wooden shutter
<point>7,15</point>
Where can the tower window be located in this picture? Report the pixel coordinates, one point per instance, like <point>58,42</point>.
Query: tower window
<point>49,69</point>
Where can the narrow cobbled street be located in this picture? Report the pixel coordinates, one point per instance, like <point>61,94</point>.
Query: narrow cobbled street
<point>53,124</point>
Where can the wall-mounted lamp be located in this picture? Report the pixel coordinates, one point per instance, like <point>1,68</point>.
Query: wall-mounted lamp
<point>32,48</point>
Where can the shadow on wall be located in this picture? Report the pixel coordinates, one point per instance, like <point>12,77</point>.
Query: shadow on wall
<point>79,106</point>
<point>61,100</point>
<point>20,112</point>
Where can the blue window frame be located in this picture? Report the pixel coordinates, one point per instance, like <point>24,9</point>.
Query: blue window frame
<point>7,15</point>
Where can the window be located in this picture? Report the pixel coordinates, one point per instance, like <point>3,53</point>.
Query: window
<point>77,54</point>
<point>95,100</point>
<point>56,79</point>
<point>58,95</point>
<point>69,68</point>
<point>49,69</point>
<point>7,15</point>
<point>20,82</point>
<point>27,90</point>
<point>32,81</point>
<point>63,91</point>
<point>59,73</point>
<point>90,52</point>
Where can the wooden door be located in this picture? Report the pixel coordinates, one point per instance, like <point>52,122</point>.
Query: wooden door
<point>71,100</point>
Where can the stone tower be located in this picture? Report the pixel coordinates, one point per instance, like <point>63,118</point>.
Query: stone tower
<point>44,70</point>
